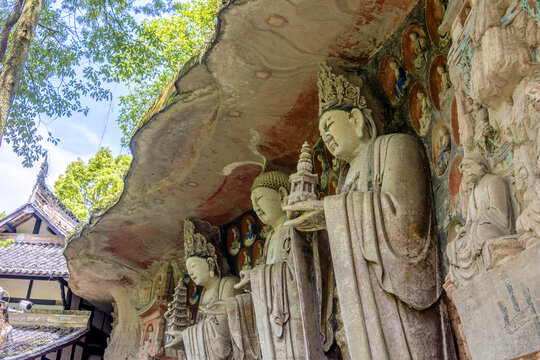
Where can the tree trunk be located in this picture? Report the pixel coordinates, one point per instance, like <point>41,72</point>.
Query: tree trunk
<point>15,58</point>
<point>12,20</point>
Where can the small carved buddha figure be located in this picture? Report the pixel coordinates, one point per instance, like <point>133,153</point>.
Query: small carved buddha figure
<point>247,262</point>
<point>386,270</point>
<point>444,38</point>
<point>489,216</point>
<point>444,148</point>
<point>235,245</point>
<point>209,338</point>
<point>401,79</point>
<point>260,257</point>
<point>446,85</point>
<point>420,50</point>
<point>146,347</point>
<point>425,118</point>
<point>251,233</point>
<point>273,286</point>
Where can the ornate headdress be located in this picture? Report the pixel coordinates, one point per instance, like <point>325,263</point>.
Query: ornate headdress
<point>336,91</point>
<point>196,243</point>
<point>272,180</point>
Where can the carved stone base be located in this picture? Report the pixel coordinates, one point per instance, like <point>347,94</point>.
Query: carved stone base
<point>499,310</point>
<point>498,250</point>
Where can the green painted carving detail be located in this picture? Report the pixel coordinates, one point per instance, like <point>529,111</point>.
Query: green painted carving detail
<point>532,7</point>
<point>464,65</point>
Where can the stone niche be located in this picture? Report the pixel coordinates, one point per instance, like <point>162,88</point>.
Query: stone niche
<point>499,310</point>
<point>493,67</point>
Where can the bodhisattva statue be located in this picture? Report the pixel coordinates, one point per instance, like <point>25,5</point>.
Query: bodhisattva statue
<point>273,285</point>
<point>209,338</point>
<point>382,232</point>
<point>489,216</point>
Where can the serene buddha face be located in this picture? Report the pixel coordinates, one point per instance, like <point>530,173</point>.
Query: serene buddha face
<point>342,132</point>
<point>267,204</point>
<point>199,271</point>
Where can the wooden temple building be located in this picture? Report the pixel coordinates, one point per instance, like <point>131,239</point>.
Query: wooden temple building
<point>61,325</point>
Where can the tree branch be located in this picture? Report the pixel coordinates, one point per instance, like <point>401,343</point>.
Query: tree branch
<point>12,20</point>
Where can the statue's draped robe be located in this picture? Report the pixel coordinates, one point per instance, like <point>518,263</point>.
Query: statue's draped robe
<point>489,216</point>
<point>243,327</point>
<point>384,250</point>
<point>275,300</point>
<point>209,338</point>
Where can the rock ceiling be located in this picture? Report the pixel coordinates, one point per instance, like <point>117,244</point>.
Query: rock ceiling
<point>252,92</point>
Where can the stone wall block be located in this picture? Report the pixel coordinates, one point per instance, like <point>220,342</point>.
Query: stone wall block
<point>503,61</point>
<point>499,309</point>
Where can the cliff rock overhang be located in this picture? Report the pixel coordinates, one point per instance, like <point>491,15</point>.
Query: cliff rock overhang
<point>252,92</point>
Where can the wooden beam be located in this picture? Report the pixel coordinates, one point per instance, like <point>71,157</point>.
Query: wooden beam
<point>37,225</point>
<point>63,294</point>
<point>29,292</point>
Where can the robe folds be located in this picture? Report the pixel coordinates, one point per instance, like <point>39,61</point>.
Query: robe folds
<point>489,216</point>
<point>384,250</point>
<point>209,338</point>
<point>277,310</point>
<point>243,327</point>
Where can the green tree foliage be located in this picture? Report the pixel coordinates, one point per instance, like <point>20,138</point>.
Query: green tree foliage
<point>86,188</point>
<point>158,51</point>
<point>80,46</point>
<point>4,243</point>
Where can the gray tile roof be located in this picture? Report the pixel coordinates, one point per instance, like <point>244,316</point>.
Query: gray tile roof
<point>33,255</point>
<point>38,332</point>
<point>30,342</point>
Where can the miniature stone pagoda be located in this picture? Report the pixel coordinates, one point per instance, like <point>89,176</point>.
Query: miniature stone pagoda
<point>303,181</point>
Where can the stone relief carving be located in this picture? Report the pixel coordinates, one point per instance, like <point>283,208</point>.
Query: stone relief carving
<point>442,149</point>
<point>486,236</point>
<point>274,293</point>
<point>251,232</point>
<point>209,338</point>
<point>425,118</point>
<point>420,50</point>
<point>445,96</point>
<point>235,245</point>
<point>374,250</point>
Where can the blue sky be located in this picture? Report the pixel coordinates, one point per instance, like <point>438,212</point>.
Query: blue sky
<point>80,137</point>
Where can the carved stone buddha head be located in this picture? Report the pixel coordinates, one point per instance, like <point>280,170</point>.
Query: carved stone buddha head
<point>267,194</point>
<point>345,121</point>
<point>201,258</point>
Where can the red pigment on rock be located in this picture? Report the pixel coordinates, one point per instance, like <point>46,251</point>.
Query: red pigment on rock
<point>127,243</point>
<point>232,198</point>
<point>281,143</point>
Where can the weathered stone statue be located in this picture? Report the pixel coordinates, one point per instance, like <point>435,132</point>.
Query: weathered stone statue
<point>446,85</point>
<point>444,147</point>
<point>420,50</point>
<point>489,216</point>
<point>425,119</point>
<point>381,230</point>
<point>273,285</point>
<point>209,338</point>
<point>401,79</point>
<point>251,233</point>
<point>235,245</point>
<point>528,223</point>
